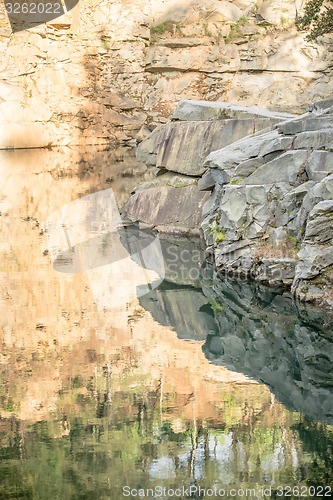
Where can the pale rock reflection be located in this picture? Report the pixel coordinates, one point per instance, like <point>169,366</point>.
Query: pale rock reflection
<point>87,236</point>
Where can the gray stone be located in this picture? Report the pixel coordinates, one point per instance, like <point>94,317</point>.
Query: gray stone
<point>147,150</point>
<point>318,139</point>
<point>319,165</point>
<point>183,146</point>
<point>306,123</point>
<point>229,248</point>
<point>187,144</point>
<point>233,346</point>
<point>307,292</point>
<point>204,110</point>
<point>228,158</point>
<point>321,107</point>
<point>291,202</point>
<point>212,203</point>
<point>324,189</point>
<point>278,236</point>
<point>172,202</point>
<point>319,228</point>
<point>277,271</point>
<point>246,168</point>
<point>321,191</point>
<point>285,168</point>
<point>256,195</point>
<point>313,260</point>
<point>233,207</point>
<point>322,208</point>
<point>206,183</point>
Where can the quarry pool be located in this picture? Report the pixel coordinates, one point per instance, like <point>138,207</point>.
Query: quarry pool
<point>129,368</point>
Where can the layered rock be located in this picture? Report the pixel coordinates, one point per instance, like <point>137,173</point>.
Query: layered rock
<point>174,201</point>
<point>113,72</point>
<point>272,215</point>
<point>265,200</point>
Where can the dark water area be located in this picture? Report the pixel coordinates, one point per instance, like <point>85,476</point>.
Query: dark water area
<point>129,368</point>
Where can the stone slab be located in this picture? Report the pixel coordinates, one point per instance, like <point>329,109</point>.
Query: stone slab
<point>216,110</point>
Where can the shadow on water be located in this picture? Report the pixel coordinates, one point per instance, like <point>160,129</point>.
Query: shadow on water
<point>251,329</point>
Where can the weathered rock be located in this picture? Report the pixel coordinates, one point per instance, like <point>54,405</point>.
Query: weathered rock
<point>285,168</point>
<point>187,144</point>
<point>321,107</point>
<point>183,146</point>
<point>276,271</point>
<point>245,168</point>
<point>119,101</point>
<point>306,123</point>
<point>135,63</point>
<point>318,192</point>
<point>319,165</point>
<point>318,139</point>
<point>233,208</point>
<point>277,11</point>
<point>224,11</point>
<point>290,228</point>
<point>207,59</point>
<point>245,211</point>
<point>147,150</point>
<point>291,203</point>
<point>168,203</point>
<point>319,228</point>
<point>240,151</point>
<point>177,43</point>
<point>206,183</point>
<point>313,260</point>
<point>203,110</point>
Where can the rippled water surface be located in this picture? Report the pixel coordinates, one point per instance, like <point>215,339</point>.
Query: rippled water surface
<point>127,364</point>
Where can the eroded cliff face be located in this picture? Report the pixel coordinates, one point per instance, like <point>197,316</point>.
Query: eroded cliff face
<point>114,71</point>
<point>269,214</point>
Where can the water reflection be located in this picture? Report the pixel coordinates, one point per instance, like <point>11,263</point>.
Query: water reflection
<point>257,331</point>
<point>263,334</point>
<point>93,399</point>
<point>88,236</point>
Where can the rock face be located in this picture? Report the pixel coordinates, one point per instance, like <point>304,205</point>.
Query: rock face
<point>171,203</point>
<point>265,200</point>
<point>111,72</point>
<point>272,215</point>
<point>174,201</point>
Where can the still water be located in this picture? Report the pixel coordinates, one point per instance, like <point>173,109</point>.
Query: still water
<point>120,375</point>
